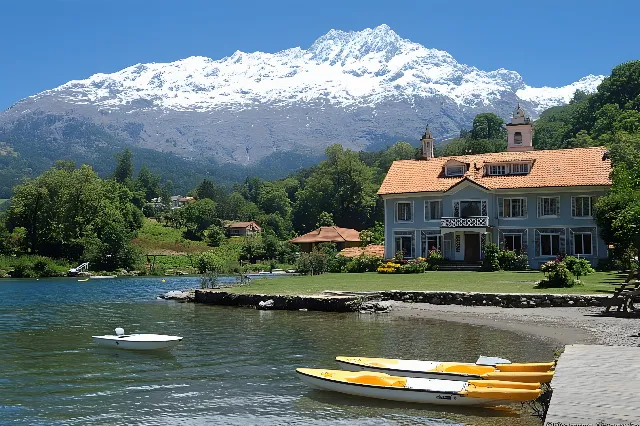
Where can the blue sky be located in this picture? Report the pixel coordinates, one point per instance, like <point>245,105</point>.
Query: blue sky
<point>49,42</point>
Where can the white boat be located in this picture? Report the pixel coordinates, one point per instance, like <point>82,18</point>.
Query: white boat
<point>411,389</point>
<point>139,342</point>
<point>486,368</point>
<point>103,276</point>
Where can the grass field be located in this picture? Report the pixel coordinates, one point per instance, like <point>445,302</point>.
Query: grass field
<point>159,239</point>
<point>485,282</point>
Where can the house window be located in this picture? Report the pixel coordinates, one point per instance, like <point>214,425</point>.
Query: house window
<point>520,168</point>
<point>517,138</point>
<point>549,244</point>
<point>513,207</point>
<point>430,242</point>
<point>581,206</point>
<point>404,212</point>
<point>455,170</point>
<point>548,206</point>
<point>582,243</point>
<point>404,243</point>
<point>470,208</point>
<point>513,242</point>
<point>432,210</point>
<point>497,170</point>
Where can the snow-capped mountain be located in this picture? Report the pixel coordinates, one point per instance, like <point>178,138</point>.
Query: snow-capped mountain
<point>361,89</point>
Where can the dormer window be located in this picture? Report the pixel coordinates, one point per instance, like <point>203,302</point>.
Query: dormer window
<point>455,170</point>
<point>520,168</point>
<point>498,170</point>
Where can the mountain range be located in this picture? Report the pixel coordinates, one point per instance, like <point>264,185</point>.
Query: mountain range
<point>269,112</point>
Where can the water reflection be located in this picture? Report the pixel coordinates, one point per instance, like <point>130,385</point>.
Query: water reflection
<point>234,366</point>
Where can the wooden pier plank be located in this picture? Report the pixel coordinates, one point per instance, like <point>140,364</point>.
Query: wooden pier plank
<point>595,383</point>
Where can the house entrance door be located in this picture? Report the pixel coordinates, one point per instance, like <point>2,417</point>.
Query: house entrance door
<point>471,247</point>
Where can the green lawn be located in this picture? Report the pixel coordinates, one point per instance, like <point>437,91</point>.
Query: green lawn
<point>485,282</point>
<point>157,238</point>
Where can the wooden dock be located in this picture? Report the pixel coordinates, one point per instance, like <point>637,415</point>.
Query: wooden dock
<point>596,384</point>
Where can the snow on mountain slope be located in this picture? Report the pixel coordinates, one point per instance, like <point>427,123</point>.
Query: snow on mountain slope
<point>546,97</point>
<point>344,69</point>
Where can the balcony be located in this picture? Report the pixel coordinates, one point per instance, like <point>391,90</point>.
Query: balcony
<point>464,222</point>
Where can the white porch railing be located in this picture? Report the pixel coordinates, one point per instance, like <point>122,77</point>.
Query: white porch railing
<point>464,222</point>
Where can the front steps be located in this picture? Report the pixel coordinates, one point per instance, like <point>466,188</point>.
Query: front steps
<point>459,265</point>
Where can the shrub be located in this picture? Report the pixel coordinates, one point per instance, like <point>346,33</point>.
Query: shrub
<point>491,257</point>
<point>313,263</point>
<point>558,276</point>
<point>33,267</point>
<point>434,259</point>
<point>388,268</point>
<point>404,267</point>
<point>578,266</point>
<point>362,263</point>
<point>337,263</point>
<point>507,259</point>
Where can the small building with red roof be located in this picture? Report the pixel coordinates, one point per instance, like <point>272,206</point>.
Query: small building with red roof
<point>343,237</point>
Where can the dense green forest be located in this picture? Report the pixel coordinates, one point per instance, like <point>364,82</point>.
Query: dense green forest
<point>71,212</point>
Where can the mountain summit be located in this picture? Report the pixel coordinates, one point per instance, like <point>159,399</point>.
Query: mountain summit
<point>364,89</point>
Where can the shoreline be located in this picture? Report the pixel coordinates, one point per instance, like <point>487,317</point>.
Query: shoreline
<point>566,324</point>
<point>563,325</point>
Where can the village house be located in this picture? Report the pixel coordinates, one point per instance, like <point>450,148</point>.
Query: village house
<point>178,201</point>
<point>343,237</point>
<point>242,229</point>
<point>540,202</point>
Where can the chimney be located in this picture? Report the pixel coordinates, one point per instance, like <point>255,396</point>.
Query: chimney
<point>427,145</point>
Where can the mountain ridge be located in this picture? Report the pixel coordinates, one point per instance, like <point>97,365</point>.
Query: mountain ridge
<point>364,89</point>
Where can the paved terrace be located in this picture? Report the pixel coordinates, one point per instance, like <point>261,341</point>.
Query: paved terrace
<point>596,385</point>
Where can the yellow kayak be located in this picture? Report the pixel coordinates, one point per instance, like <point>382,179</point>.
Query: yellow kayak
<point>526,373</point>
<point>412,389</point>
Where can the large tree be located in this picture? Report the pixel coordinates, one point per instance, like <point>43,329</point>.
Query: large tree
<point>68,212</point>
<point>342,185</point>
<point>488,126</point>
<point>123,172</point>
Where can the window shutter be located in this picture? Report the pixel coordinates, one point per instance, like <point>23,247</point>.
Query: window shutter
<point>557,206</point>
<point>573,206</point>
<point>539,206</point>
<point>500,207</point>
<point>524,207</point>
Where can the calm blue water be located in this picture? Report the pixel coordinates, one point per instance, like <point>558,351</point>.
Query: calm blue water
<point>234,367</point>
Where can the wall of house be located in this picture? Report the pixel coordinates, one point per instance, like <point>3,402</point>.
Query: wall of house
<point>530,227</point>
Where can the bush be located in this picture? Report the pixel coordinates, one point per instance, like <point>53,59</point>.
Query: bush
<point>434,259</point>
<point>337,263</point>
<point>491,260</point>
<point>313,263</point>
<point>558,276</point>
<point>578,266</point>
<point>362,263</point>
<point>215,236</point>
<point>33,267</point>
<point>404,266</point>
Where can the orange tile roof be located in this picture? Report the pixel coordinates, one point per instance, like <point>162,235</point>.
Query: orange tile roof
<point>328,234</point>
<point>370,250</point>
<point>550,168</point>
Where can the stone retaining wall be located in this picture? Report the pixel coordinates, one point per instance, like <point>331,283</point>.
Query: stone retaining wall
<point>340,303</point>
<point>505,300</point>
<point>348,302</point>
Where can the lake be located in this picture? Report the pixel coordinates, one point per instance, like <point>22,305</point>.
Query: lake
<point>235,366</point>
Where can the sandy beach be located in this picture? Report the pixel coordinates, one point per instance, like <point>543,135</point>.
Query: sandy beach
<point>563,325</point>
